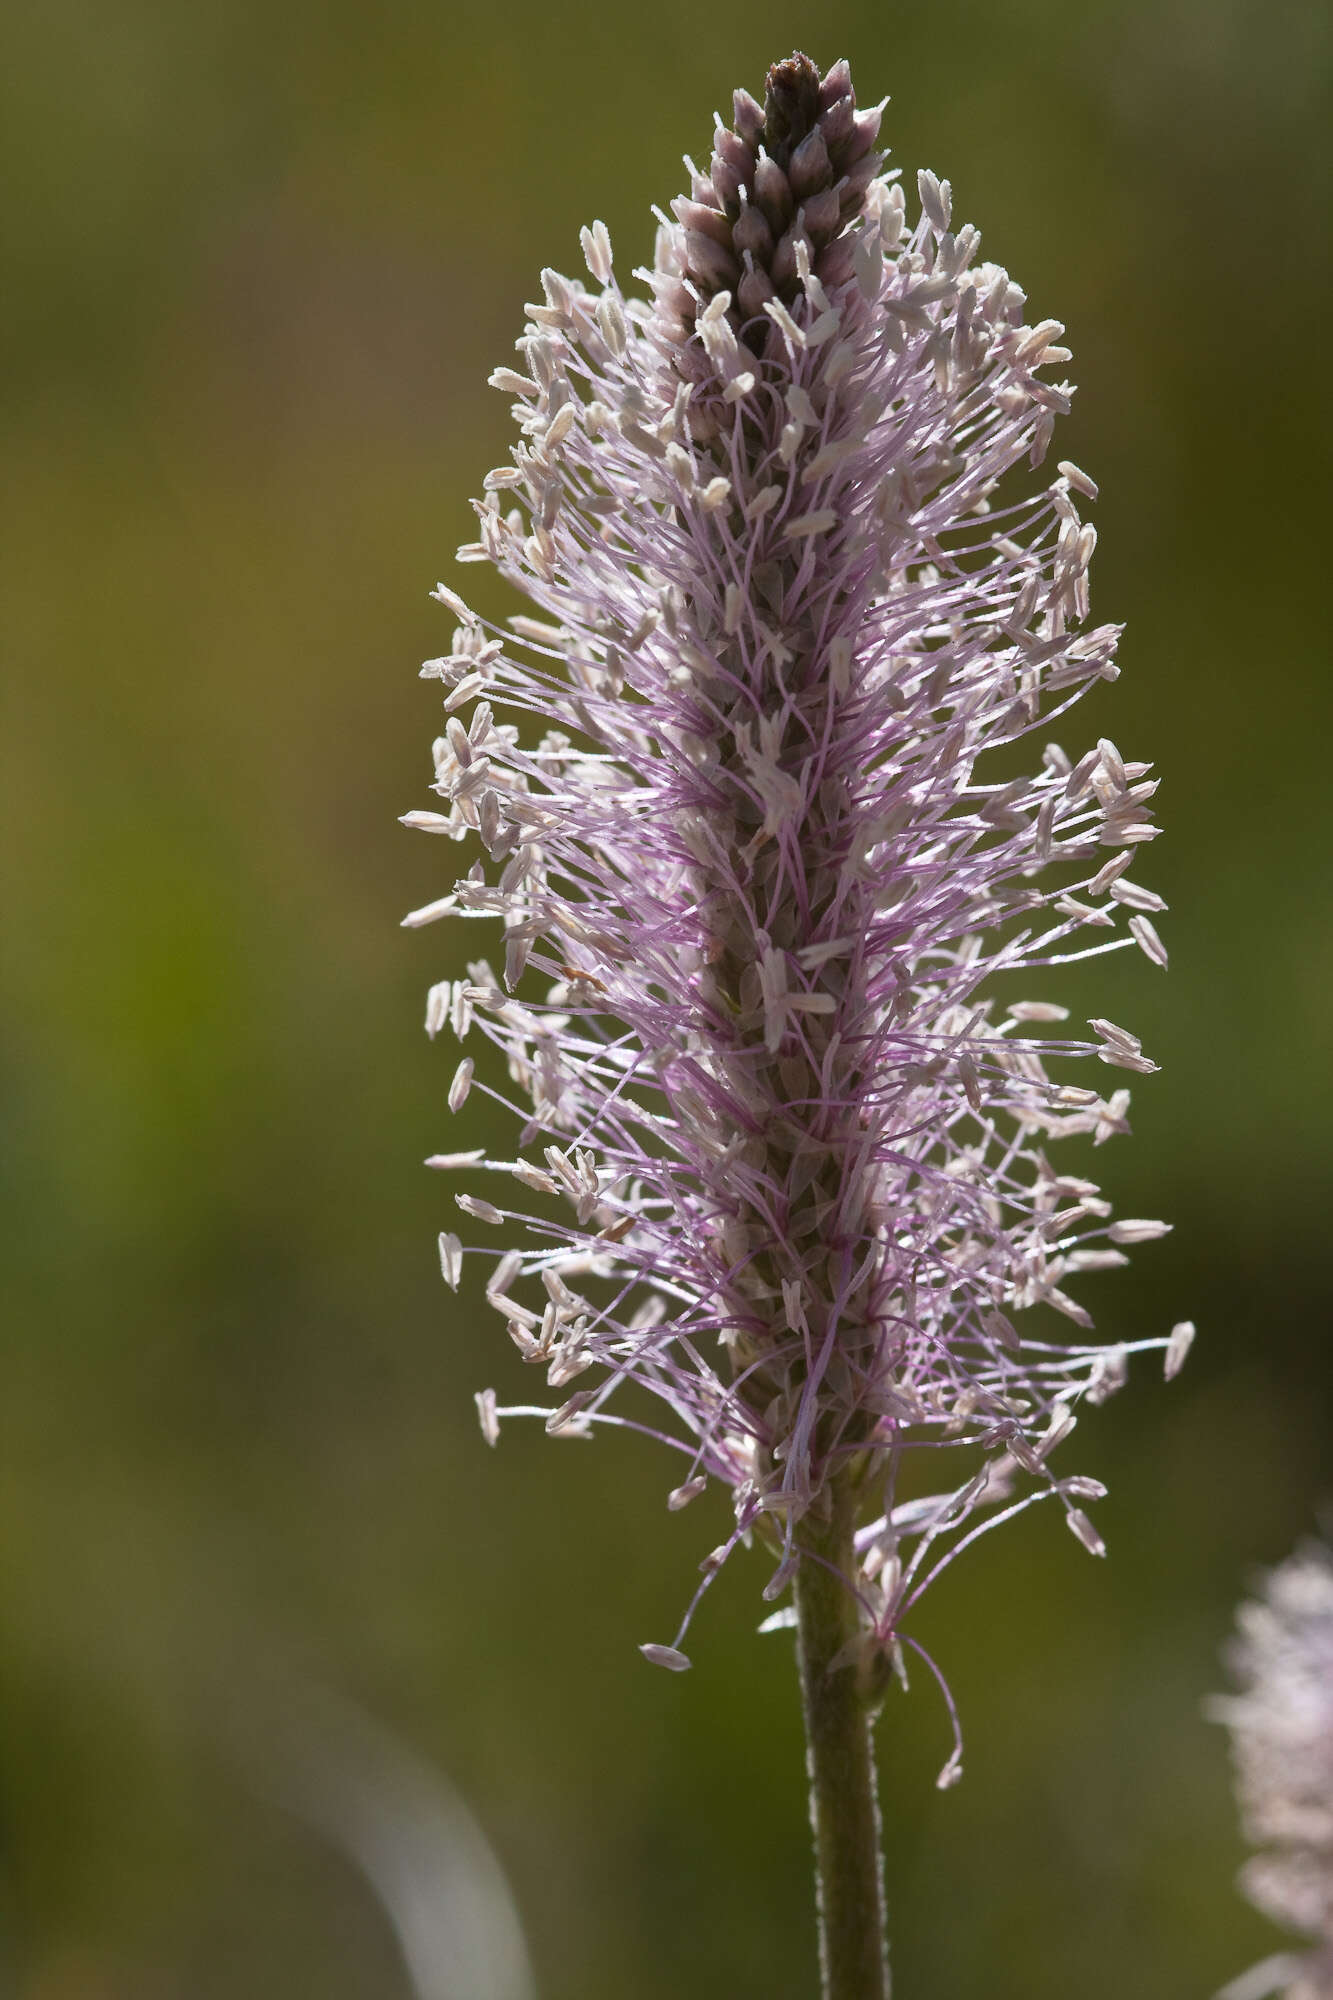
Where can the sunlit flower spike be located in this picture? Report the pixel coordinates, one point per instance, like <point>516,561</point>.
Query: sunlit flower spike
<point>777,889</point>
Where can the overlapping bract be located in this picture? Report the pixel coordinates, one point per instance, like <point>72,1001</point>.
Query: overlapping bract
<point>780,1054</point>
<point>1281,1725</point>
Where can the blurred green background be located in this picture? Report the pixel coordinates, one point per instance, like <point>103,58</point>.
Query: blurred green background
<point>259,262</point>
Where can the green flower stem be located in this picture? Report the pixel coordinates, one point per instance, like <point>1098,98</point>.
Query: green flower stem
<point>840,1761</point>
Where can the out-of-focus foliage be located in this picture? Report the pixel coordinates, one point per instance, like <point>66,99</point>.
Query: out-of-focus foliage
<point>259,261</point>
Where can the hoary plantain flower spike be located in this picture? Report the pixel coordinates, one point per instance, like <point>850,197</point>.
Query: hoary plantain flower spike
<point>1281,1725</point>
<point>769,917</point>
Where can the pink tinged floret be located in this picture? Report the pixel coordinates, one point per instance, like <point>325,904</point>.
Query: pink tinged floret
<point>772,900</point>
<point>1281,1724</point>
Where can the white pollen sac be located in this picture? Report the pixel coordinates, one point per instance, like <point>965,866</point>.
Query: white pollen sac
<point>1082,1529</point>
<point>869,263</point>
<point>1080,777</point>
<point>471,684</point>
<point>1026,602</point>
<point>799,407</point>
<point>782,319</point>
<point>1145,936</point>
<point>1061,1423</point>
<point>1138,1229</point>
<point>681,466</point>
<point>437,1007</point>
<point>764,501</point>
<point>1111,1033</point>
<point>561,424</point>
<point>1117,1056</point>
<point>596,246</point>
<point>1096,1260</point>
<point>1079,1487</point>
<point>1023,1454</point>
<point>1109,874</point>
<point>481,1211</point>
<point>429,913</point>
<point>936,200</point>
<point>817,523</point>
<point>426,822</point>
<point>838,363</point>
<point>502,1277</point>
<point>569,1420</point>
<point>1081,913</point>
<point>462,1084</point>
<point>1177,1347</point>
<point>512,383</point>
<point>681,1496</point>
<point>486,1412</point>
<point>1077,478</point>
<point>810,284</point>
<point>451,1259</point>
<point>510,1308</point>
<point>793,1305</point>
<point>611,322</point>
<point>829,458</point>
<point>556,1289</point>
<point>669,1657</point>
<point>823,328</point>
<point>1112,763</point>
<point>840,663</point>
<point>952,1773</point>
<point>459,741</point>
<point>453,602</point>
<point>719,339</point>
<point>1134,896</point>
<point>1001,1330</point>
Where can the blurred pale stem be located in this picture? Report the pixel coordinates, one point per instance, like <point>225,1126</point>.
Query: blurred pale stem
<point>840,1761</point>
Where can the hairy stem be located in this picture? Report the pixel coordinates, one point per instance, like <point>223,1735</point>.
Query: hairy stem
<point>844,1809</point>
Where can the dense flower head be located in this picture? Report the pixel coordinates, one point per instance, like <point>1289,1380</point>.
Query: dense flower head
<point>768,916</point>
<point>1281,1724</point>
